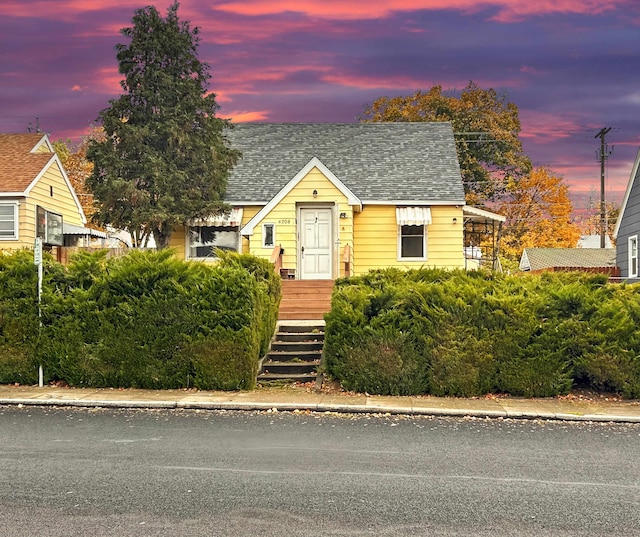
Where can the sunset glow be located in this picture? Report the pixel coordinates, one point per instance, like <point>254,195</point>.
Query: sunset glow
<point>571,66</point>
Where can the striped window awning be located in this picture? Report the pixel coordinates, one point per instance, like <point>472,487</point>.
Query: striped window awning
<point>413,216</point>
<point>70,229</point>
<point>231,219</point>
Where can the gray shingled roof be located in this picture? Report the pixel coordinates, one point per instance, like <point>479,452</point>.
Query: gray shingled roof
<point>376,161</point>
<point>546,258</point>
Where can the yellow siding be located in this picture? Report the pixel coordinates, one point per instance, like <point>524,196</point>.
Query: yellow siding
<point>372,234</point>
<point>178,242</point>
<point>61,202</point>
<point>247,214</point>
<point>285,215</point>
<point>376,239</point>
<point>43,148</point>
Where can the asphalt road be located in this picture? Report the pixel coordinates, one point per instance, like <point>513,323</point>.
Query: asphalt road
<point>70,472</point>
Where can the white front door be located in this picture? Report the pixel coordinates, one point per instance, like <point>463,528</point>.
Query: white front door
<point>315,244</point>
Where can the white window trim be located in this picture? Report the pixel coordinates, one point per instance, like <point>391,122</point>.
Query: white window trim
<point>633,239</point>
<point>264,244</point>
<point>16,223</point>
<point>187,246</point>
<point>424,246</point>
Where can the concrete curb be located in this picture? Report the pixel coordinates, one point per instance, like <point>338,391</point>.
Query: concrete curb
<point>318,407</point>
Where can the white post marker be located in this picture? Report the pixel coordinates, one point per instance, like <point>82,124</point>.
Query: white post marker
<point>37,260</point>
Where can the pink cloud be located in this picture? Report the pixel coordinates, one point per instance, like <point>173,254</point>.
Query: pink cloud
<point>381,82</point>
<point>251,82</point>
<point>516,10</point>
<point>107,81</point>
<point>61,10</point>
<point>546,128</point>
<point>249,116</point>
<point>507,10</point>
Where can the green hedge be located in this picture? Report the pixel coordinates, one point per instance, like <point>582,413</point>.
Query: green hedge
<point>143,320</point>
<point>461,333</point>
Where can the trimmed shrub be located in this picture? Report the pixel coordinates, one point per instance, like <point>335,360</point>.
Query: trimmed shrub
<point>476,332</point>
<point>19,320</point>
<point>384,363</point>
<point>543,376</point>
<point>270,285</point>
<point>16,366</point>
<point>461,366</point>
<point>143,320</point>
<point>226,361</point>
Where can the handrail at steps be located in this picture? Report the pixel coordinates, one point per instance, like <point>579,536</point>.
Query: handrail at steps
<point>346,259</point>
<point>276,258</point>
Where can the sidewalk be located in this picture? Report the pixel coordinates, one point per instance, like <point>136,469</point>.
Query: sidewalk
<point>301,399</point>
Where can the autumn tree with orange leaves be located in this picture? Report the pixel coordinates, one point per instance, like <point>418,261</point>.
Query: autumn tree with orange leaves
<point>496,173</point>
<point>539,214</point>
<point>79,168</point>
<point>486,129</point>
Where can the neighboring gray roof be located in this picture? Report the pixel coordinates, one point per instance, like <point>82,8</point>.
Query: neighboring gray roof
<point>546,258</point>
<point>376,161</point>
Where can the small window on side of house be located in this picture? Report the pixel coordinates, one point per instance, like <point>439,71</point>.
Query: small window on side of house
<point>268,235</point>
<point>412,245</point>
<point>633,256</point>
<point>8,221</point>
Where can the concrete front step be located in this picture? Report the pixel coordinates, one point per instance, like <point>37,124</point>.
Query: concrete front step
<point>285,337</point>
<point>301,328</point>
<point>290,368</point>
<point>296,346</point>
<point>295,353</point>
<point>268,377</point>
<point>293,356</point>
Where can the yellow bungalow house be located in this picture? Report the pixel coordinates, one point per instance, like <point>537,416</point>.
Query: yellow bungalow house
<point>36,197</point>
<point>340,199</point>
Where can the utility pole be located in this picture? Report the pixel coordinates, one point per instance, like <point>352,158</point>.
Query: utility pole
<point>603,154</point>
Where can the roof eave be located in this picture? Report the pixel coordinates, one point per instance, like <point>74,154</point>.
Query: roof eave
<point>627,193</point>
<point>415,202</point>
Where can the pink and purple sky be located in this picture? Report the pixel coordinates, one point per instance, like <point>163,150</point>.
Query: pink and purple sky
<point>571,66</point>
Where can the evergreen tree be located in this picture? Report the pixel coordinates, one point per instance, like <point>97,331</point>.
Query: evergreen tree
<point>165,158</point>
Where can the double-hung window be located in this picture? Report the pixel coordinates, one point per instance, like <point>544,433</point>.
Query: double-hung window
<point>412,242</point>
<point>633,256</point>
<point>8,221</point>
<point>412,225</point>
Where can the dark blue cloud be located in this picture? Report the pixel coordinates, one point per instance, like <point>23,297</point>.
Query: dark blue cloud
<point>569,74</point>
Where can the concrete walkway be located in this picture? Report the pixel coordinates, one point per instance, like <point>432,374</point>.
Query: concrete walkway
<point>571,408</point>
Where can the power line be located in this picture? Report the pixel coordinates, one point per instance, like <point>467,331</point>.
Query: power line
<point>604,155</point>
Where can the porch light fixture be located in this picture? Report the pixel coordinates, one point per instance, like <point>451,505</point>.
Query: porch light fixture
<point>343,215</point>
<point>455,220</point>
<point>315,194</point>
